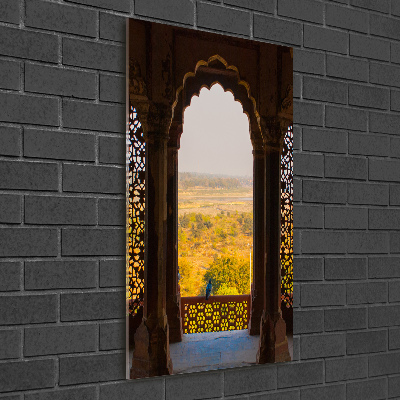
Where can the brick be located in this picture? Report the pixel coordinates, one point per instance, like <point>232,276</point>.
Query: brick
<point>297,79</point>
<point>10,209</point>
<point>191,387</point>
<point>271,28</point>
<point>345,268</point>
<point>341,369</point>
<point>394,291</point>
<point>60,340</point>
<point>346,218</point>
<point>395,242</point>
<point>395,195</point>
<point>97,117</point>
<point>297,189</point>
<point>9,74</point>
<point>42,308</point>
<point>49,210</point>
<point>144,389</point>
<point>308,164</point>
<point>28,242</point>
<point>60,81</point>
<point>308,61</point>
<point>59,145</point>
<point>299,374</point>
<point>384,170</point>
<point>394,147</point>
<point>383,123</point>
<point>170,10</point>
<point>308,321</point>
<point>346,118</point>
<point>28,109</point>
<point>366,342</point>
<point>395,8</point>
<point>325,242</point>
<point>324,90</point>
<point>384,267</point>
<point>112,212</point>
<point>85,306</point>
<point>112,27</point>
<point>368,193</point>
<point>394,52</point>
<point>346,18</point>
<point>324,191</point>
<point>26,44</point>
<point>27,375</point>
<point>10,141</point>
<point>88,178</point>
<point>317,294</point>
<point>267,6</point>
<point>9,11</point>
<point>60,274</point>
<point>117,5</point>
<point>367,242</point>
<point>10,344</point>
<point>384,26</point>
<point>394,386</point>
<point>308,216</point>
<point>367,293</point>
<point>112,150</point>
<point>384,74</point>
<point>112,273</point>
<point>369,145</point>
<point>384,364</point>
<point>380,316</point>
<point>376,5</point>
<point>394,338</point>
<point>88,369</point>
<point>326,39</point>
<point>10,273</point>
<point>318,346</point>
<point>346,68</point>
<point>28,175</point>
<point>213,16</point>
<point>100,56</point>
<point>112,336</point>
<point>308,269</point>
<point>112,88</point>
<point>85,393</point>
<point>309,10</point>
<point>370,389</point>
<point>345,167</point>
<point>308,113</point>
<point>369,96</point>
<point>339,319</point>
<point>249,380</point>
<point>325,392</point>
<point>395,100</point>
<point>384,219</point>
<point>90,242</point>
<point>329,141</point>
<point>280,395</point>
<point>60,18</point>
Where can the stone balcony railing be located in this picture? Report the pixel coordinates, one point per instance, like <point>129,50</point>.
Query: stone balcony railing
<point>218,313</point>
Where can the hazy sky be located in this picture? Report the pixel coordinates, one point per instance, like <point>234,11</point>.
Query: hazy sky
<point>215,136</point>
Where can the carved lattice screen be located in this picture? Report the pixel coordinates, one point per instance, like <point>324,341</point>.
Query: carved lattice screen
<point>136,179</point>
<point>287,219</point>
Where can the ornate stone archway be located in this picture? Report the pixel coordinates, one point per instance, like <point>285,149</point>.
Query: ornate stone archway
<point>164,76</point>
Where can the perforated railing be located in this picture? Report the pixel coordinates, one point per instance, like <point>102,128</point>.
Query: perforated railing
<point>218,313</point>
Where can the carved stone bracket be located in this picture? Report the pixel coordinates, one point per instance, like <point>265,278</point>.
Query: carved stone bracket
<point>274,129</point>
<point>137,84</point>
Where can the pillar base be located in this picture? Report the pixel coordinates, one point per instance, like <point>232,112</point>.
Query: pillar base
<point>174,319</point>
<point>273,345</point>
<point>151,355</point>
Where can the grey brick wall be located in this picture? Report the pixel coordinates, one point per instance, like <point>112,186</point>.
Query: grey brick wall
<point>62,186</point>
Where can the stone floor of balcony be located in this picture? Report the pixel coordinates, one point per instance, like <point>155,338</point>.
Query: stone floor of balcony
<point>216,350</point>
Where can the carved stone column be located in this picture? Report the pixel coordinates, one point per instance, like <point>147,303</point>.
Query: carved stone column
<point>151,355</point>
<point>258,283</point>
<point>273,346</point>
<point>173,289</point>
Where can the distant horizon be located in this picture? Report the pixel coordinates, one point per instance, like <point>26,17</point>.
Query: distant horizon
<point>216,174</point>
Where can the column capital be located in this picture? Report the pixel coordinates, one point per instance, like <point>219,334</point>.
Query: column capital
<point>274,129</point>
